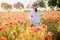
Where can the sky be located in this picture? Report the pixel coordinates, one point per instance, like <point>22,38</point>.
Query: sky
<point>25,2</point>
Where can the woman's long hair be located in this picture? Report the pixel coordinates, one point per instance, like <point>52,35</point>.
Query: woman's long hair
<point>36,10</point>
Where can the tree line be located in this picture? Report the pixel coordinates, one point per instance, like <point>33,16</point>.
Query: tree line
<point>9,7</point>
<point>38,3</point>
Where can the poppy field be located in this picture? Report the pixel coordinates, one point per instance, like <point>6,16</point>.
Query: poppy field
<point>15,26</point>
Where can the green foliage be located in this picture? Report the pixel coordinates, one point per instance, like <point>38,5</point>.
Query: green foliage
<point>18,5</point>
<point>28,6</point>
<point>58,3</point>
<point>52,25</point>
<point>6,6</point>
<point>39,4</point>
<point>54,3</point>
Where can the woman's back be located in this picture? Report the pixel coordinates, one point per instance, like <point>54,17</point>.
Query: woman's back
<point>35,18</point>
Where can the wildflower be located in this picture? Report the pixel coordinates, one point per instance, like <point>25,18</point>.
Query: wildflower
<point>49,20</point>
<point>31,25</point>
<point>3,38</point>
<point>36,29</point>
<point>6,23</point>
<point>1,28</point>
<point>18,20</point>
<point>13,32</point>
<point>45,37</point>
<point>50,33</point>
<point>10,23</point>
<point>43,26</point>
<point>21,22</point>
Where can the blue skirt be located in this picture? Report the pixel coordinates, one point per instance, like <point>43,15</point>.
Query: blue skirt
<point>35,20</point>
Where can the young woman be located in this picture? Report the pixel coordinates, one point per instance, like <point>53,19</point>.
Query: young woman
<point>34,16</point>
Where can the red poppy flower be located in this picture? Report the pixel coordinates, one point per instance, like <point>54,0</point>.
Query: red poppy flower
<point>1,28</point>
<point>18,20</point>
<point>50,33</point>
<point>49,20</point>
<point>13,32</point>
<point>37,29</point>
<point>6,23</point>
<point>43,26</point>
<point>3,38</point>
<point>45,37</point>
<point>31,25</point>
<point>10,23</point>
<point>21,22</point>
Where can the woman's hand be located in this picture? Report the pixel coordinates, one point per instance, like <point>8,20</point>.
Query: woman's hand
<point>31,16</point>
